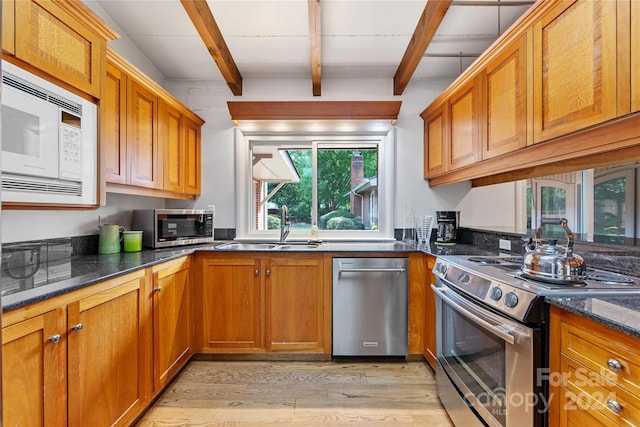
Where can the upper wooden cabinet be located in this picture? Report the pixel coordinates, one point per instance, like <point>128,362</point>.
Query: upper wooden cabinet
<point>143,149</point>
<point>113,125</point>
<point>506,82</point>
<point>575,67</point>
<point>436,140</point>
<point>179,136</point>
<point>8,26</point>
<point>150,141</point>
<point>635,56</point>
<point>550,88</point>
<point>464,125</point>
<point>64,39</point>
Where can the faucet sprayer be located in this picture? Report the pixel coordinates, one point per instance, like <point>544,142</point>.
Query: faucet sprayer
<point>284,222</point>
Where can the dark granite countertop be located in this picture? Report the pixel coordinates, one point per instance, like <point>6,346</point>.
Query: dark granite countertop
<point>621,313</point>
<point>85,270</point>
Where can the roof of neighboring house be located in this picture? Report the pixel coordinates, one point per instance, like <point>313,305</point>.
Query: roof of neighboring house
<point>368,185</point>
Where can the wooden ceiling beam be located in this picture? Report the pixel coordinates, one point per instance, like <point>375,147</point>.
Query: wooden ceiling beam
<point>205,23</point>
<point>432,16</point>
<point>315,31</point>
<point>313,110</point>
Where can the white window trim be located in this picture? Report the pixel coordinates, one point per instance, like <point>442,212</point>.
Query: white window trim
<point>386,172</point>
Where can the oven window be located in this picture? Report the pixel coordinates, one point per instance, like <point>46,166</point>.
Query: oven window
<point>477,358</point>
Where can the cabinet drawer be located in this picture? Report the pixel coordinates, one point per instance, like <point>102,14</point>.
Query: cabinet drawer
<point>597,348</point>
<point>599,393</point>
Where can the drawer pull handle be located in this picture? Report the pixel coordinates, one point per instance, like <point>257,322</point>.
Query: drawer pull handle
<point>55,339</point>
<point>614,365</point>
<point>614,406</point>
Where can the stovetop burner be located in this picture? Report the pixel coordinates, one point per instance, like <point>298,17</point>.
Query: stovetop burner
<point>498,281</point>
<point>508,269</point>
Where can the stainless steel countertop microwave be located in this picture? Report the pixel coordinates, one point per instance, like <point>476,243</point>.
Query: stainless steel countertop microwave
<point>173,227</point>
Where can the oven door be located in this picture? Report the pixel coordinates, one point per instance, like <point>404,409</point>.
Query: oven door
<point>486,364</point>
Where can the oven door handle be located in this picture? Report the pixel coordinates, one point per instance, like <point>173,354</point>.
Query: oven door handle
<point>465,310</point>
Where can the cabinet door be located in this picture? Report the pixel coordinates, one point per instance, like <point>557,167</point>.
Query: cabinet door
<point>635,56</point>
<point>232,304</point>
<point>142,136</point>
<point>8,27</point>
<point>171,136</point>
<point>172,331</point>
<point>574,67</point>
<point>113,125</point>
<point>435,142</point>
<point>505,85</point>
<point>430,316</point>
<point>55,42</point>
<point>294,306</point>
<point>109,367</point>
<point>464,126</point>
<point>192,157</point>
<point>33,372</point>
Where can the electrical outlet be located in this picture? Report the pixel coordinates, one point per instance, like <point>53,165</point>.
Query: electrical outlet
<point>505,244</point>
<point>213,209</point>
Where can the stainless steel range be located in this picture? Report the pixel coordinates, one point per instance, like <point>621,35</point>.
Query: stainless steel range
<point>492,336</point>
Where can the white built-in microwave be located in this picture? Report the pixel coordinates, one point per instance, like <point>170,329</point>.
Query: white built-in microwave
<point>49,141</point>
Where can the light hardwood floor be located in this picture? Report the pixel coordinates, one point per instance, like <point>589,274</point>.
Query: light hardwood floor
<point>243,393</point>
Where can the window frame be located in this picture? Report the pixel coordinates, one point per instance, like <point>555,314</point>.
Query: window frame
<point>386,175</point>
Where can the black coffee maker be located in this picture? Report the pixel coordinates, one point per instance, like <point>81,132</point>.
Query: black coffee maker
<point>447,227</point>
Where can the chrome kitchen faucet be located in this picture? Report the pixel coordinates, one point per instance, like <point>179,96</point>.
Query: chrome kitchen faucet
<point>284,222</point>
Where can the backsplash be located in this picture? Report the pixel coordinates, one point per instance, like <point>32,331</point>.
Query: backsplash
<point>29,264</point>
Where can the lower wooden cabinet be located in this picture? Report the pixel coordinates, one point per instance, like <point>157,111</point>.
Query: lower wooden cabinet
<point>108,363</point>
<point>172,320</point>
<point>430,316</point>
<point>254,304</point>
<point>294,306</point>
<point>594,375</point>
<point>34,387</point>
<point>231,304</point>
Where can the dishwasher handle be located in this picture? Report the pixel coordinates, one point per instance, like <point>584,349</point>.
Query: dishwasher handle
<point>372,270</point>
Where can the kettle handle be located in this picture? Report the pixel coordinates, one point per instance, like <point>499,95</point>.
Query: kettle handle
<point>556,221</point>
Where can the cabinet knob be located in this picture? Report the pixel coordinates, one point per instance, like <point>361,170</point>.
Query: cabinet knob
<point>614,365</point>
<point>268,272</point>
<point>158,289</point>
<point>614,406</point>
<point>77,327</point>
<point>256,272</point>
<point>55,339</point>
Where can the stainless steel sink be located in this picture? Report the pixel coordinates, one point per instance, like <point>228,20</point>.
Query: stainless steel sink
<point>298,246</point>
<point>266,246</point>
<point>248,246</point>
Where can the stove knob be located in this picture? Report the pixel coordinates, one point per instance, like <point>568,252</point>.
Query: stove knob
<point>510,299</point>
<point>495,294</point>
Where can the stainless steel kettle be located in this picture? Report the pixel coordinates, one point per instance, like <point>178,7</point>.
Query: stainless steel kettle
<point>553,263</point>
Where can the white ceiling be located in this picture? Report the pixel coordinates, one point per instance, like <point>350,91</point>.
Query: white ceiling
<point>270,38</point>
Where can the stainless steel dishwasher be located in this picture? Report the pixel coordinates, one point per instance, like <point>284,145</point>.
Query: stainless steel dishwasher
<point>370,299</point>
